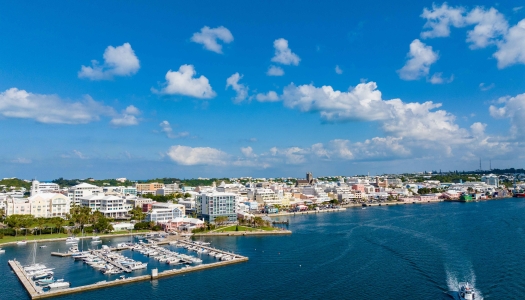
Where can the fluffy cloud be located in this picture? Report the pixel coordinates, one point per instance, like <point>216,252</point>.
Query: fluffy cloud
<point>166,128</point>
<point>283,54</point>
<point>490,28</point>
<point>440,18</point>
<point>21,160</point>
<point>292,155</point>
<point>364,102</point>
<point>512,47</point>
<point>490,25</point>
<point>15,103</point>
<point>118,61</point>
<point>208,37</point>
<point>247,151</point>
<point>239,88</point>
<point>271,96</point>
<point>275,71</point>
<point>420,58</point>
<point>182,82</point>
<point>437,78</point>
<point>188,156</point>
<point>512,108</point>
<point>338,70</point>
<point>127,118</point>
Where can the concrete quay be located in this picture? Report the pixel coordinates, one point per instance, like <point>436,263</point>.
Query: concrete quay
<point>309,212</point>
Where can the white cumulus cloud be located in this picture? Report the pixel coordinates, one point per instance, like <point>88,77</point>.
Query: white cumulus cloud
<point>512,47</point>
<point>189,156</point>
<point>420,58</point>
<point>275,71</point>
<point>118,61</point>
<point>283,54</point>
<point>271,96</point>
<point>15,103</point>
<point>183,82</point>
<point>208,37</point>
<point>127,118</point>
<point>512,108</point>
<point>239,88</point>
<point>437,78</point>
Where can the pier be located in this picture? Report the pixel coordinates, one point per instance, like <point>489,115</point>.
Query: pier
<point>36,292</point>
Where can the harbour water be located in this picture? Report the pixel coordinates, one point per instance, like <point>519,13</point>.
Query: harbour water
<point>415,251</point>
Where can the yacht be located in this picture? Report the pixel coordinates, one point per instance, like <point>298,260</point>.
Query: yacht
<point>43,246</point>
<point>34,267</point>
<point>95,238</point>
<point>138,266</point>
<point>72,240</point>
<point>2,250</point>
<point>21,243</point>
<point>58,285</point>
<point>466,291</point>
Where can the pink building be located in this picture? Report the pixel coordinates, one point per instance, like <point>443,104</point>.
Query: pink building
<point>358,187</point>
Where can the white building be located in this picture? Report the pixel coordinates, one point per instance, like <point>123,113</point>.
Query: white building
<point>490,179</point>
<point>79,191</point>
<point>43,187</point>
<point>165,212</point>
<point>267,197</point>
<point>48,205</point>
<point>110,206</point>
<point>214,204</point>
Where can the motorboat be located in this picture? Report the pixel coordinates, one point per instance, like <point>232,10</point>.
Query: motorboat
<point>21,243</point>
<point>138,266</point>
<point>95,238</point>
<point>43,246</point>
<point>34,267</point>
<point>96,241</point>
<point>31,273</point>
<point>72,240</point>
<point>43,275</point>
<point>47,281</point>
<point>2,250</point>
<point>466,291</point>
<point>58,285</point>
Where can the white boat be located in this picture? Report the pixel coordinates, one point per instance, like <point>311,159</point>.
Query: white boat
<point>58,285</point>
<point>2,250</point>
<point>43,275</point>
<point>95,238</point>
<point>72,240</point>
<point>96,241</point>
<point>21,243</point>
<point>34,267</point>
<point>138,266</point>
<point>466,291</point>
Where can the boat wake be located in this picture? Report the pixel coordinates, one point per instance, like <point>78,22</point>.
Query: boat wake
<point>453,283</point>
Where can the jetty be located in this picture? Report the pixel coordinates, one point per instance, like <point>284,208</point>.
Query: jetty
<point>36,292</point>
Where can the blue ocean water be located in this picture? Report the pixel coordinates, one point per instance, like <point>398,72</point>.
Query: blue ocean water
<point>415,251</point>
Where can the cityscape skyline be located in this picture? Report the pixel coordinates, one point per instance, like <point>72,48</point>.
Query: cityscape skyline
<point>259,89</point>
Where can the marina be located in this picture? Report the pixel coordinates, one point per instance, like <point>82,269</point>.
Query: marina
<point>39,282</point>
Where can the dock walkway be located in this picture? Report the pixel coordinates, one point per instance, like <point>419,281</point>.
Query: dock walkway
<point>36,292</point>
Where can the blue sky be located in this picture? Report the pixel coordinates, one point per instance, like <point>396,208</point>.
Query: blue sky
<point>259,88</point>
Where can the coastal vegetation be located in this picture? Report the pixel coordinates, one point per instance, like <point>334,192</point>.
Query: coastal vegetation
<point>7,184</point>
<point>161,198</point>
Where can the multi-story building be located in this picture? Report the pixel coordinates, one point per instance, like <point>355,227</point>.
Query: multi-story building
<point>139,202</point>
<point>267,197</point>
<point>110,206</point>
<point>490,179</point>
<point>214,204</point>
<point>47,205</point>
<point>17,206</point>
<point>152,186</point>
<point>165,212</point>
<point>79,191</point>
<point>43,187</point>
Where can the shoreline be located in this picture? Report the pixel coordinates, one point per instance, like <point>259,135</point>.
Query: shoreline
<point>245,233</point>
<point>80,237</point>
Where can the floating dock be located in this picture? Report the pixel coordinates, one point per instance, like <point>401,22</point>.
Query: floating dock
<point>36,292</point>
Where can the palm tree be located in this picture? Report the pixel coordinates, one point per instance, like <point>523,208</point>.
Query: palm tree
<point>40,223</point>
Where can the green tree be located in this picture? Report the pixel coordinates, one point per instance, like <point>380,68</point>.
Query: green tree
<point>258,221</point>
<point>220,220</point>
<point>137,214</point>
<point>13,221</point>
<point>40,223</point>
